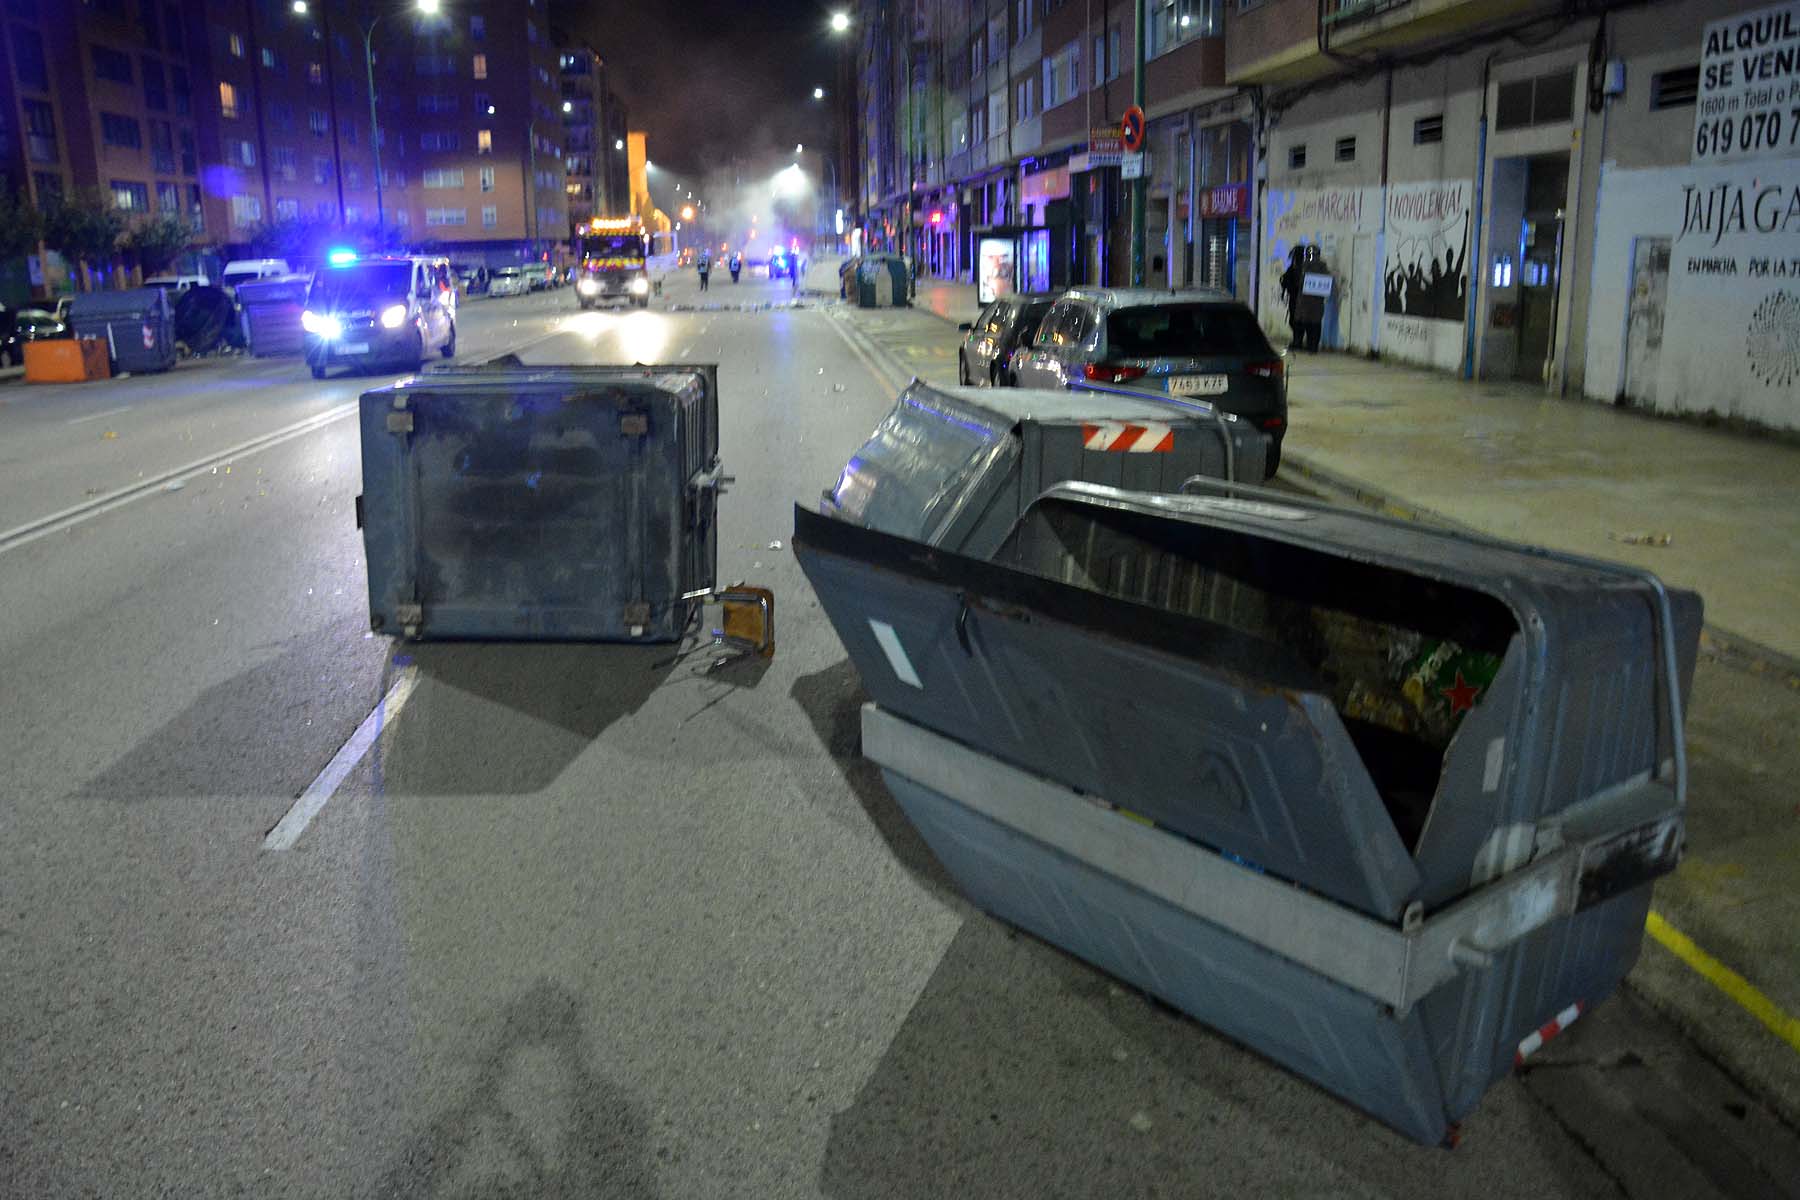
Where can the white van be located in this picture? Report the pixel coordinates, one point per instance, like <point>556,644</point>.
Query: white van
<point>177,283</point>
<point>248,270</point>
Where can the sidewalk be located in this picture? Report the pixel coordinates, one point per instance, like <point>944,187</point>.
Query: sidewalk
<point>1507,459</point>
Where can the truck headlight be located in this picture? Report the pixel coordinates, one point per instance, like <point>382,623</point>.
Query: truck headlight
<point>588,287</point>
<point>392,316</point>
<point>640,286</point>
<point>320,326</point>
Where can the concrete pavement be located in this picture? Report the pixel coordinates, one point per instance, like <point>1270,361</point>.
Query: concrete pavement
<point>603,921</point>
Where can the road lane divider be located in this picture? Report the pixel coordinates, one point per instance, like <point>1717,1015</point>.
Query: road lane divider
<point>294,822</point>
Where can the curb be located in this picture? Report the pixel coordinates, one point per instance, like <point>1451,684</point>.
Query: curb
<point>1722,644</point>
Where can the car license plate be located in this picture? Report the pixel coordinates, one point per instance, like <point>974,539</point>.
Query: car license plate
<point>1198,385</point>
<point>354,348</point>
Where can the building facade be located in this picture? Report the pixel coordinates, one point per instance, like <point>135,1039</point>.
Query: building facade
<point>1517,191</point>
<point>594,126</point>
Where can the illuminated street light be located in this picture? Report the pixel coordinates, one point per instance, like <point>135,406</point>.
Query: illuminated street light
<point>428,7</point>
<point>619,144</point>
<point>568,107</point>
<point>687,212</point>
<point>818,93</point>
<point>798,147</point>
<point>300,8</point>
<point>840,22</point>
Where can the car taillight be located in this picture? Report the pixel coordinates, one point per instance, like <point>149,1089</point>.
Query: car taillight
<point>1274,368</point>
<point>1273,422</point>
<point>1108,373</point>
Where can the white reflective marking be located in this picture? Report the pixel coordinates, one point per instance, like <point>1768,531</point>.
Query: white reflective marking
<point>896,653</point>
<point>287,831</point>
<point>1496,762</point>
<point>111,412</point>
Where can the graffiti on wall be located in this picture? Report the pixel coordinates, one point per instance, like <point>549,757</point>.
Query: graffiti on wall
<point>1336,220</point>
<point>1426,275</point>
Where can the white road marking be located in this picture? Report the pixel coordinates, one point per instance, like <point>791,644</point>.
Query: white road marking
<point>111,412</point>
<point>897,381</point>
<point>287,831</point>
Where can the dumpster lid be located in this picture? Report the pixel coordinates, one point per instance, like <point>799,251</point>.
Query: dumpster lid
<point>133,302</point>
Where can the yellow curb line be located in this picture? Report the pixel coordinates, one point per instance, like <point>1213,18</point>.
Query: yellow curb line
<point>1741,991</point>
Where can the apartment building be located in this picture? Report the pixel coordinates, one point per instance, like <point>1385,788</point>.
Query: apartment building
<point>103,98</point>
<point>594,128</point>
<point>1603,198</point>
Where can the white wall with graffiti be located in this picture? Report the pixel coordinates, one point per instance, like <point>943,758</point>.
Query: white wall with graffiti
<point>1425,276</point>
<point>1345,223</point>
<point>1695,304</point>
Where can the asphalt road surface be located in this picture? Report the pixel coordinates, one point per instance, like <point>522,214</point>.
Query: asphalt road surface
<point>587,921</point>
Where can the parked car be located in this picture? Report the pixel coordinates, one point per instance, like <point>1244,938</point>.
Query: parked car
<point>245,270</point>
<point>178,284</point>
<point>21,325</point>
<point>985,356</point>
<point>507,281</point>
<point>1200,343</point>
<point>537,277</point>
<point>380,312</point>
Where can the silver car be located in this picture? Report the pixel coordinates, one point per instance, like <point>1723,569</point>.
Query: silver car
<point>1198,343</point>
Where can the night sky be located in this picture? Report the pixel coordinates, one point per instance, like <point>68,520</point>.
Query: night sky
<point>714,79</point>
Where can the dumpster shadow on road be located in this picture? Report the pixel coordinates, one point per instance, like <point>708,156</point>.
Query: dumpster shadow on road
<point>505,718</point>
<point>540,1121</point>
<point>832,700</point>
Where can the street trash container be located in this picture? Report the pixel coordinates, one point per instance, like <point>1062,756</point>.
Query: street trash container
<point>954,467</point>
<point>66,360</point>
<point>137,325</point>
<point>882,281</point>
<point>272,310</point>
<point>573,503</point>
<point>1377,800</point>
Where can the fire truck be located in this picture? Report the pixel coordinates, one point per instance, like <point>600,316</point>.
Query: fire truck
<point>612,255</point>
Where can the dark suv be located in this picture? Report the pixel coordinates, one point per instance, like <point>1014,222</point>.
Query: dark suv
<point>1200,344</point>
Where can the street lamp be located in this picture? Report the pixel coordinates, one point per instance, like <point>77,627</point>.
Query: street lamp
<point>428,8</point>
<point>840,22</point>
<point>818,93</point>
<point>618,143</point>
<point>568,107</point>
<point>798,148</point>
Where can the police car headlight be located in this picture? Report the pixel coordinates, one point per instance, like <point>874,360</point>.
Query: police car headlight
<point>588,287</point>
<point>640,286</point>
<point>320,326</point>
<point>392,316</point>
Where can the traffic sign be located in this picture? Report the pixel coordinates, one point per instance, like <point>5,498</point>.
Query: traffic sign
<point>1132,166</point>
<point>1131,129</point>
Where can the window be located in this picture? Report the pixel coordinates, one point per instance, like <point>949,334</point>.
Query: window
<point>196,213</point>
<point>484,141</point>
<point>1679,88</point>
<point>28,57</point>
<point>281,115</point>
<point>977,125</point>
<point>1345,150</point>
<point>442,177</point>
<point>352,214</point>
<point>241,152</point>
<point>325,210</point>
<point>977,55</point>
<point>245,210</point>
<point>435,64</point>
<point>315,73</point>
<point>959,132</point>
<point>436,103</point>
<point>1026,91</point>
<point>446,216</point>
<point>996,38</point>
<point>119,130</point>
<point>234,45</point>
<point>348,129</point>
<point>479,64</point>
<point>148,20</point>
<point>162,148</point>
<point>1172,22</point>
<point>317,121</point>
<point>321,171</point>
<point>110,65</point>
<point>1022,21</point>
<point>487,179</point>
<point>490,216</point>
<point>228,100</point>
<point>483,102</point>
<point>286,208</point>
<point>168,198</point>
<point>401,216</point>
<point>132,197</point>
<point>1543,100</point>
<point>156,87</point>
<point>48,185</point>
<point>996,112</point>
<point>178,88</point>
<point>272,61</point>
<point>1297,156</point>
<point>190,159</point>
<point>1428,130</point>
<point>285,162</point>
<point>477,28</point>
<point>439,141</point>
<point>1062,75</point>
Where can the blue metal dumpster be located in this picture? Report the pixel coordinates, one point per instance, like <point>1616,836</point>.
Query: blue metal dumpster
<point>138,326</point>
<point>272,310</point>
<point>541,502</point>
<point>956,466</point>
<point>1374,799</point>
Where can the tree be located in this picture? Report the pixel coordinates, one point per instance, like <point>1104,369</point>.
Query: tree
<point>85,228</point>
<point>21,227</point>
<point>158,240</point>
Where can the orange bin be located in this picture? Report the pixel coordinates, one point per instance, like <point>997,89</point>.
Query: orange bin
<point>66,360</point>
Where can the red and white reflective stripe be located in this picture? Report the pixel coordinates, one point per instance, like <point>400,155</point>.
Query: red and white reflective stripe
<point>1546,1031</point>
<point>1122,437</point>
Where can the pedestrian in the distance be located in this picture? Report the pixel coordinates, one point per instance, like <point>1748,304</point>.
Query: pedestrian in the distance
<point>704,265</point>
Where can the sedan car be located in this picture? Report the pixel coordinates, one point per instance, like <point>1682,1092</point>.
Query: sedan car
<point>18,326</point>
<point>508,281</point>
<point>1199,344</point>
<point>1003,326</point>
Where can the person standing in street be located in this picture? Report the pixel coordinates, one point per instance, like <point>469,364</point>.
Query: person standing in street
<point>704,265</point>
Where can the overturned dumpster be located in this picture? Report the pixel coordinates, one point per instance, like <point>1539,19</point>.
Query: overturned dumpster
<point>541,502</point>
<point>954,467</point>
<point>1376,800</point>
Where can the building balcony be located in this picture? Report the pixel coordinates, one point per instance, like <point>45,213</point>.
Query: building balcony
<point>1292,41</point>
